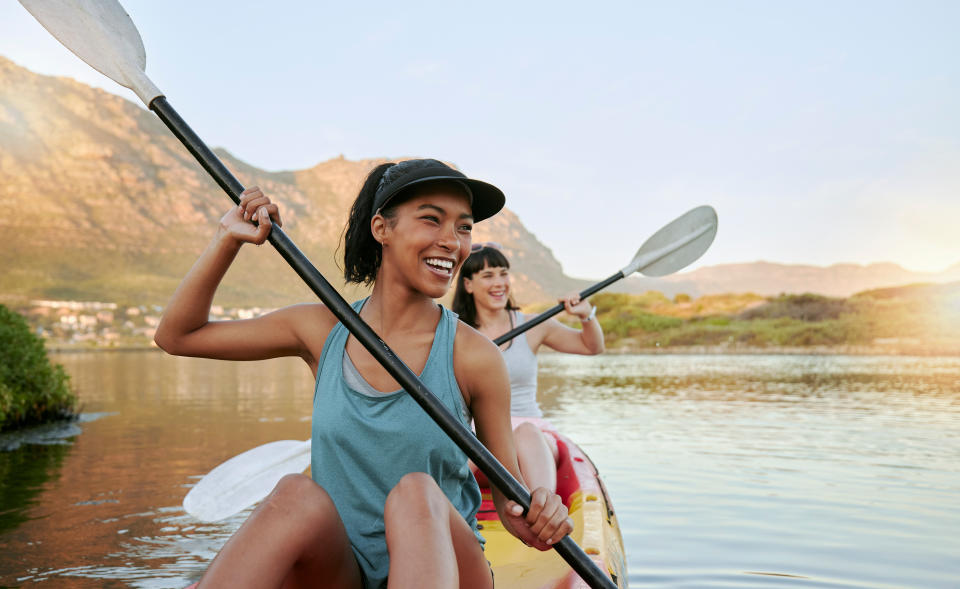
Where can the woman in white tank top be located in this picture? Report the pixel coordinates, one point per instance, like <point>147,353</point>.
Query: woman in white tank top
<point>482,300</point>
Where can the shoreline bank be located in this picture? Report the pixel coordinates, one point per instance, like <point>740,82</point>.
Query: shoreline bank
<point>728,350</point>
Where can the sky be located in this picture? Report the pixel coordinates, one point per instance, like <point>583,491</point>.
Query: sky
<point>821,131</point>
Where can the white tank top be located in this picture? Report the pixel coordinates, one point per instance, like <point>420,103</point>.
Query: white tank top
<point>522,367</point>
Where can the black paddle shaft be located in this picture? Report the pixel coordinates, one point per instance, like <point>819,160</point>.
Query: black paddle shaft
<point>488,464</point>
<point>554,310</point>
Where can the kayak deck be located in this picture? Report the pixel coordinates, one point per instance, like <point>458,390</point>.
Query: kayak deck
<point>596,529</point>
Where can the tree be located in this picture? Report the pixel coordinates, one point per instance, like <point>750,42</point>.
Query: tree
<point>32,389</point>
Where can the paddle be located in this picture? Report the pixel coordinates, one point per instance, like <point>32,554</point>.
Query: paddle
<point>102,34</point>
<point>675,246</point>
<point>245,479</point>
<point>224,491</point>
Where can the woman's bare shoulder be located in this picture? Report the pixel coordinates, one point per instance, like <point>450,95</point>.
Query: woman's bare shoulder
<point>474,356</point>
<point>470,340</point>
<point>537,334</point>
<point>316,317</point>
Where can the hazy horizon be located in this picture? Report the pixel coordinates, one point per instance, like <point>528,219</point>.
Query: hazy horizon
<point>821,133</point>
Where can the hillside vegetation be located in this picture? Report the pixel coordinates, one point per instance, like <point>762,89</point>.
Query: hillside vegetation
<point>910,319</point>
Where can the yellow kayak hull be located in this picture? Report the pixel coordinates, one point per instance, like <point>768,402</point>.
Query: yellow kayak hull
<point>596,530</point>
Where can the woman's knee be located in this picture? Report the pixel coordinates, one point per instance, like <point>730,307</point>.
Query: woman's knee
<point>530,436</point>
<point>527,432</point>
<point>299,498</point>
<point>414,492</point>
<point>531,440</point>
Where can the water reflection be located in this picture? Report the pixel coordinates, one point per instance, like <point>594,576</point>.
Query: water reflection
<point>114,511</point>
<point>29,459</point>
<point>843,471</point>
<point>725,471</point>
<point>23,473</point>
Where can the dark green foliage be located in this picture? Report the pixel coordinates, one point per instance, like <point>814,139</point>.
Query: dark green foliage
<point>32,390</point>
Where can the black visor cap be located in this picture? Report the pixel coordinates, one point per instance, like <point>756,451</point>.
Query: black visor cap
<point>486,199</point>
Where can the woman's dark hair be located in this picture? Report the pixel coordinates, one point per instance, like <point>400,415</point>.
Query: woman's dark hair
<point>361,252</point>
<point>463,304</point>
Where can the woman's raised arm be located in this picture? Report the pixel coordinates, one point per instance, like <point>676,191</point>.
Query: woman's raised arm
<point>185,328</point>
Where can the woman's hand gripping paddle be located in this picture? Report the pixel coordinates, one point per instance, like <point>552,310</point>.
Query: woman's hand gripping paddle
<point>675,246</point>
<point>101,33</point>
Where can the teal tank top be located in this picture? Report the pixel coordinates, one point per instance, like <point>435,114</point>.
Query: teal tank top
<point>364,443</point>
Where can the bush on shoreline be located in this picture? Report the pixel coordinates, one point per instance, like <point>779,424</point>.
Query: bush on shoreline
<point>922,315</point>
<point>32,389</point>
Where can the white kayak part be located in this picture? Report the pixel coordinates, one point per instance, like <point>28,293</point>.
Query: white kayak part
<point>245,479</point>
<point>101,33</point>
<point>676,245</point>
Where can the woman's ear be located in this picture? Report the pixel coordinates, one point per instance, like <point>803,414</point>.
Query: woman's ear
<point>468,285</point>
<point>378,228</point>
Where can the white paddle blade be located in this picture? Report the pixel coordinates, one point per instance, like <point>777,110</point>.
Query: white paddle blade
<point>245,479</point>
<point>677,245</point>
<point>100,33</point>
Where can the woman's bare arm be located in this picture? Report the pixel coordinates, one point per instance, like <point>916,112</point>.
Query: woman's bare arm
<point>483,378</point>
<point>587,341</point>
<point>185,329</point>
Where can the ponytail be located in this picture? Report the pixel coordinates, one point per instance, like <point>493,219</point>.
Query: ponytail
<point>361,252</point>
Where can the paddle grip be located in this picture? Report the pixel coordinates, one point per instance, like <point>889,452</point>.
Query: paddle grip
<point>488,464</point>
<point>555,309</point>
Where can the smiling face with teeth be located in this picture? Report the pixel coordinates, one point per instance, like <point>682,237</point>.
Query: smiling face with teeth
<point>484,286</point>
<point>427,239</point>
<point>490,287</point>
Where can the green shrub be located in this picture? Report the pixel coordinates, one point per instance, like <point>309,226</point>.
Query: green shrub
<point>926,313</point>
<point>805,307</point>
<point>633,322</point>
<point>32,390</point>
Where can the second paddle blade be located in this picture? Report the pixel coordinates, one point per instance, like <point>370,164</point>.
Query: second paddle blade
<point>245,479</point>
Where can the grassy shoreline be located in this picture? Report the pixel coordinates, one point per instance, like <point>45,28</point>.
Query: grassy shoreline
<point>788,351</point>
<point>915,320</point>
<point>622,348</point>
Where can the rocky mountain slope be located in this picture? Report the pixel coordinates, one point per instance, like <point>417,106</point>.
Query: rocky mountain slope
<point>100,202</point>
<point>103,203</point>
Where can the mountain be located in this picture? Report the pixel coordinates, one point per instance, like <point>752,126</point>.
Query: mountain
<point>767,278</point>
<point>100,202</point>
<point>103,203</point>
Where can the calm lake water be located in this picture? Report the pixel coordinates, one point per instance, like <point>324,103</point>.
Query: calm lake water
<point>726,471</point>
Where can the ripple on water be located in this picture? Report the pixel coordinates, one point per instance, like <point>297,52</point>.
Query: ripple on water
<point>725,471</point>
